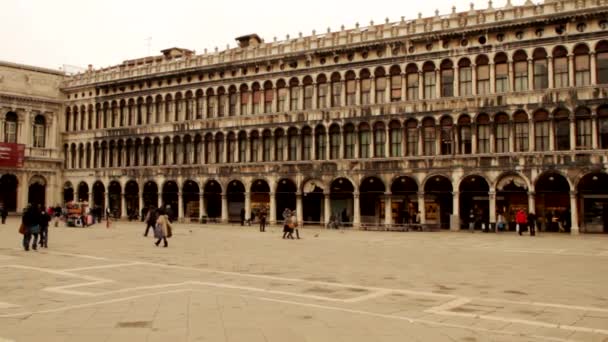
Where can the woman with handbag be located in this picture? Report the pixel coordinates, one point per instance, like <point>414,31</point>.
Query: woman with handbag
<point>163,229</point>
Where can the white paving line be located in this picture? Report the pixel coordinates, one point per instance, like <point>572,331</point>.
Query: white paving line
<point>83,256</point>
<point>449,305</point>
<point>369,296</point>
<point>101,267</point>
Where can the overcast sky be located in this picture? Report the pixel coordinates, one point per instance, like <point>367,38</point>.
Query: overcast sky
<point>53,33</point>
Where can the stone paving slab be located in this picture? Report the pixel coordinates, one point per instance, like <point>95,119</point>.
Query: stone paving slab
<point>227,283</point>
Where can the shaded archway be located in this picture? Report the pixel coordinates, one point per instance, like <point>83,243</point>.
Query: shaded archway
<point>114,191</point>
<point>286,196</point>
<point>474,201</point>
<point>212,194</point>
<point>260,196</point>
<point>511,196</point>
<point>99,191</point>
<point>404,192</point>
<point>8,191</point>
<point>150,194</point>
<point>68,192</point>
<point>341,201</point>
<point>36,194</point>
<point>191,198</point>
<point>593,202</point>
<point>83,192</point>
<point>553,202</point>
<point>438,201</point>
<point>312,202</point>
<point>170,199</point>
<point>132,199</point>
<point>371,200</point>
<point>235,193</point>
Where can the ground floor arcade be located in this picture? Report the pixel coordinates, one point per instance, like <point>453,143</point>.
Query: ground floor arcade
<point>19,188</point>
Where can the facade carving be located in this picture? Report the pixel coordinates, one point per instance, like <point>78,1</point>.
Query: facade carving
<point>483,112</point>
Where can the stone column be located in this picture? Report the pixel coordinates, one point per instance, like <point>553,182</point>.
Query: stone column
<point>455,219</point>
<point>387,145</point>
<point>224,208</point>
<point>141,201</point>
<point>106,198</point>
<point>550,73</point>
<point>160,200</point>
<point>273,209</point>
<point>511,73</point>
<point>180,207</point>
<point>593,67</point>
<point>474,79</point>
<point>420,85</point>
<point>315,92</point>
<point>511,137</point>
<point>594,133</point>
<point>388,210</point>
<point>420,140</point>
<point>356,211</point>
<point>421,207</point>
<point>551,135</point>
<point>531,134</point>
<point>572,133</point>
<point>574,229</point>
<point>91,198</point>
<point>437,83</point>
<point>201,205</point>
<point>343,94</point>
<point>492,78</point>
<point>327,208</point>
<point>299,209</point>
<point>456,81</point>
<point>530,74</point>
<point>123,206</point>
<point>372,91</point>
<point>247,205</point>
<point>531,202</point>
<point>474,139</point>
<point>571,80</point>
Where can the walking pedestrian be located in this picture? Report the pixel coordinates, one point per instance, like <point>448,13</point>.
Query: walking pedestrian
<point>286,221</point>
<point>262,219</point>
<point>472,221</point>
<point>242,216</point>
<point>150,220</point>
<point>532,223</point>
<point>3,213</point>
<point>30,221</point>
<point>163,229</point>
<point>294,225</point>
<point>45,218</point>
<point>521,219</point>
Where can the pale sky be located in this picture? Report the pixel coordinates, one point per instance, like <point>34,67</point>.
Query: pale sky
<point>51,33</point>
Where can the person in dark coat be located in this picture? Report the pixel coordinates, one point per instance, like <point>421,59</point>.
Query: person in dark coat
<point>45,218</point>
<point>532,223</point>
<point>262,214</point>
<point>242,216</point>
<point>150,219</point>
<point>30,221</point>
<point>3,213</point>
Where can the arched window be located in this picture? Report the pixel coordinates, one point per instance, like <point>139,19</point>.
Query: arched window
<point>366,87</point>
<point>582,67</point>
<point>67,119</point>
<point>282,93</point>
<point>412,137</point>
<point>379,140</point>
<point>320,148</point>
<point>334,142</point>
<point>242,147</point>
<point>602,114</point>
<point>428,72</point>
<point>336,90</point>
<point>501,124</point>
<point>279,145</point>
<point>219,148</point>
<point>396,83</point>
<point>268,97</point>
<point>521,132</point>
<point>266,146</point>
<point>232,101</point>
<point>349,141</point>
<point>306,143</point>
<point>380,80</point>
<point>520,60</point>
<point>541,131</point>
<point>502,73</point>
<point>429,136</point>
<point>465,76</point>
<point>308,92</point>
<point>447,79</point>
<point>541,74</point>
<point>256,104</point>
<point>447,126</point>
<point>10,127</point>
<point>211,102</point>
<point>292,144</point>
<point>562,129</point>
<point>255,146</point>
<point>364,141</point>
<point>231,153</point>
<point>464,126</point>
<point>244,99</point>
<point>396,136</point>
<point>221,102</point>
<point>351,89</point>
<point>560,67</point>
<point>483,133</point>
<point>322,90</point>
<point>294,94</point>
<point>413,82</point>
<point>583,129</point>
<point>39,131</point>
<point>483,75</point>
<point>602,62</point>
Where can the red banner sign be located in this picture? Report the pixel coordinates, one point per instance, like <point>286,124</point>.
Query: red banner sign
<point>11,155</point>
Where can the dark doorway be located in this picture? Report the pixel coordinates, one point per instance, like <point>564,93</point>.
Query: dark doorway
<point>371,197</point>
<point>236,200</point>
<point>553,203</point>
<point>8,191</point>
<point>593,202</point>
<point>114,191</point>
<point>404,192</point>
<point>438,201</point>
<point>342,202</point>
<point>213,199</point>
<point>191,199</point>
<point>474,202</point>
<point>170,199</point>
<point>286,196</point>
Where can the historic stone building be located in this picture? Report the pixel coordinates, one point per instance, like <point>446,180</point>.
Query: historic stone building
<point>31,105</point>
<point>480,113</point>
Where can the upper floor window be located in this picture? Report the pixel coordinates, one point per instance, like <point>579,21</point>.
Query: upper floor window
<point>465,76</point>
<point>351,89</point>
<point>349,142</point>
<point>364,141</point>
<point>522,129</point>
<point>256,103</point>
<point>294,94</point>
<point>583,129</point>
<point>541,74</point>
<point>560,67</point>
<point>447,79</point>
<point>232,102</point>
<point>562,130</point>
<point>520,60</point>
<point>483,75</point>
<point>602,62</point>
<point>322,92</point>
<point>429,136</point>
<point>396,87</point>
<point>334,142</point>
<point>502,73</point>
<point>308,93</point>
<point>366,87</point>
<point>412,138</point>
<point>282,93</point>
<point>306,144</point>
<point>602,114</point>
<point>447,135</point>
<point>413,82</point>
<point>483,133</point>
<point>244,100</point>
<point>221,104</point>
<point>396,135</point>
<point>429,80</point>
<point>541,131</point>
<point>501,123</point>
<point>39,131</point>
<point>320,148</point>
<point>292,144</point>
<point>380,79</point>
<point>582,67</point>
<point>336,90</point>
<point>10,127</point>
<point>379,140</point>
<point>464,126</point>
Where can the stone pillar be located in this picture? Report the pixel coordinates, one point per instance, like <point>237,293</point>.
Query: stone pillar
<point>530,74</point>
<point>356,211</point>
<point>531,202</point>
<point>91,198</point>
<point>140,200</point>
<point>123,206</point>
<point>180,207</point>
<point>531,134</point>
<point>594,133</point>
<point>160,200</point>
<point>421,207</point>
<point>273,209</point>
<point>456,81</point>
<point>437,83</point>
<point>247,205</point>
<point>551,83</point>
<point>572,133</point>
<point>474,79</point>
<point>455,219</point>
<point>492,199</point>
<point>420,140</point>
<point>511,73</point>
<point>571,80</point>
<point>106,198</point>
<point>224,208</point>
<point>327,208</point>
<point>593,67</point>
<point>492,78</point>
<point>343,94</point>
<point>574,229</point>
<point>299,209</point>
<point>388,209</point>
<point>420,85</point>
<point>201,206</point>
<point>551,135</point>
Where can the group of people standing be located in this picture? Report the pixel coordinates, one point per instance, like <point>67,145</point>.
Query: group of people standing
<point>35,222</point>
<point>160,222</point>
<point>290,224</point>
<point>523,221</point>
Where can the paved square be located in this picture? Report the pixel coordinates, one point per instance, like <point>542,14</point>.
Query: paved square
<point>228,283</point>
